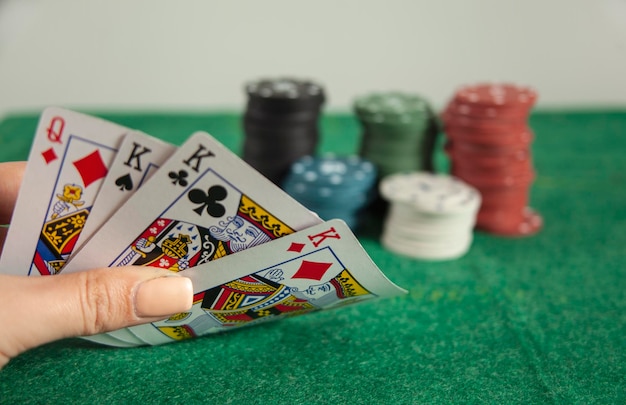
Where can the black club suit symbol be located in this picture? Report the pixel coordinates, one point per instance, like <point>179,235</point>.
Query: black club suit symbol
<point>179,177</point>
<point>209,200</point>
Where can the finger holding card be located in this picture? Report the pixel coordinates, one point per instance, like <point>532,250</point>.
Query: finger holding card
<point>204,203</point>
<point>68,161</point>
<point>321,267</point>
<point>138,158</point>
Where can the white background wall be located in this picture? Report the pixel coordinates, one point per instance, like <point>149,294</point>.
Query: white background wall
<point>197,54</point>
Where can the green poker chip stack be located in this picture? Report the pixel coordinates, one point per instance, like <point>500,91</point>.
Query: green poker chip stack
<point>399,132</point>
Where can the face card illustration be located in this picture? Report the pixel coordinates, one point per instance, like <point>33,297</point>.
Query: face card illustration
<point>321,267</point>
<point>69,159</point>
<point>203,203</point>
<point>138,158</point>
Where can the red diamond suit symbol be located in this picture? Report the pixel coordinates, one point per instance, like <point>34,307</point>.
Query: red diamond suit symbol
<point>49,155</point>
<point>296,247</point>
<point>91,168</point>
<point>312,270</point>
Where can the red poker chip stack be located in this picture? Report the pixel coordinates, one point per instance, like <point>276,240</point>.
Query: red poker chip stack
<point>488,142</point>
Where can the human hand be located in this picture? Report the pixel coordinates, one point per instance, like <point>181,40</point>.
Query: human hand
<point>38,310</point>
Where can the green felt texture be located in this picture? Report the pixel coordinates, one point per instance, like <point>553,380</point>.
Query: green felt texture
<point>532,320</point>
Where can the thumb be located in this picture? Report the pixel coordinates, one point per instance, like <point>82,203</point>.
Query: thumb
<point>37,310</point>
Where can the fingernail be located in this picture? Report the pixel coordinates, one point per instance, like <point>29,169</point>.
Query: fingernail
<point>163,296</point>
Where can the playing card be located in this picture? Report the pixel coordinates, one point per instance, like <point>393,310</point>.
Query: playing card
<point>202,204</point>
<point>68,161</point>
<point>108,340</point>
<point>321,267</point>
<point>138,158</point>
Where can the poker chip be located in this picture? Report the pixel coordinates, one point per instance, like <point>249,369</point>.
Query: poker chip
<point>498,96</point>
<point>431,216</point>
<point>488,143</point>
<point>280,123</point>
<point>284,94</point>
<point>332,186</point>
<point>398,131</point>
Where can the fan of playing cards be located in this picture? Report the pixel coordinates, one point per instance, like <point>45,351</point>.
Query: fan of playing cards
<point>96,194</point>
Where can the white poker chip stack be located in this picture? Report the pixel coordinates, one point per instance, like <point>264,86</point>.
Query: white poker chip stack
<point>431,216</point>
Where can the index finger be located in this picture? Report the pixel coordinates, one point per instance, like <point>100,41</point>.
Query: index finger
<point>11,174</point>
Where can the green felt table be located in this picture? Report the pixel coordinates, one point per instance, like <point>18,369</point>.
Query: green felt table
<point>531,320</point>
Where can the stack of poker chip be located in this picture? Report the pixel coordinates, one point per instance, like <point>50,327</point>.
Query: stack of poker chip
<point>332,186</point>
<point>280,124</point>
<point>489,147</point>
<point>430,217</point>
<point>398,131</point>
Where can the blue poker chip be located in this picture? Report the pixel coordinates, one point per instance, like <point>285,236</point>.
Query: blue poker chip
<point>332,186</point>
<point>332,171</point>
<point>330,177</point>
<point>327,196</point>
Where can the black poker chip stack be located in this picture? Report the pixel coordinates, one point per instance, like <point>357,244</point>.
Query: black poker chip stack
<point>281,124</point>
